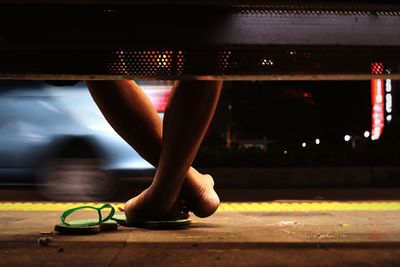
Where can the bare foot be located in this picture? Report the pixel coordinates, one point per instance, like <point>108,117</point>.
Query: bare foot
<point>198,191</point>
<point>147,206</point>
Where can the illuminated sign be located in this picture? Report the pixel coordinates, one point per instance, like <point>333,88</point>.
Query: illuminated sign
<point>378,104</point>
<point>389,100</point>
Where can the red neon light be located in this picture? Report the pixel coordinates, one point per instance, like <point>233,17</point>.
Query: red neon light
<point>377,99</point>
<point>377,68</point>
<point>378,108</point>
<point>159,98</point>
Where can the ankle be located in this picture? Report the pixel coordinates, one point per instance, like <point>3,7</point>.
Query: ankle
<point>161,198</point>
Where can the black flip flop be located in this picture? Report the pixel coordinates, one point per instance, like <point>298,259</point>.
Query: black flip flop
<point>153,224</point>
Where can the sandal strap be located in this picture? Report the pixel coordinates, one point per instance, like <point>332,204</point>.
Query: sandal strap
<point>66,213</point>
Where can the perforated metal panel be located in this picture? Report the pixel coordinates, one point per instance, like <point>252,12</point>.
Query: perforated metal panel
<point>273,63</point>
<point>241,41</point>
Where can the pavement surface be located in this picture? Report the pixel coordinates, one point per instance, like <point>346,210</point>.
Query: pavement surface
<point>240,234</point>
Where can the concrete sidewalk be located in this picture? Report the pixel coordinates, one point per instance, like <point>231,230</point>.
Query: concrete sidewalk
<point>228,238</point>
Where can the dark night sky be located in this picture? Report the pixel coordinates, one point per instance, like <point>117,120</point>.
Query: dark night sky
<point>310,109</point>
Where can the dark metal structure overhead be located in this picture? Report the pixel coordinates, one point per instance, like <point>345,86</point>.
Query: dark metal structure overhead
<point>199,39</point>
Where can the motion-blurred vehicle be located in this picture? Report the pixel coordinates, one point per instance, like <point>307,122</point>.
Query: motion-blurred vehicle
<point>56,138</point>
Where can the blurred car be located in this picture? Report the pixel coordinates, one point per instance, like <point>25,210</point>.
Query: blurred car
<point>56,138</point>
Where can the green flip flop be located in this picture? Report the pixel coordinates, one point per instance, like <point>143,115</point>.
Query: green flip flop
<point>153,224</point>
<point>87,226</point>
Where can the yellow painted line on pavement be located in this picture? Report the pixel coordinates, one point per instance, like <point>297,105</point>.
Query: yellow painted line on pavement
<point>228,206</point>
<point>47,206</point>
<point>309,206</point>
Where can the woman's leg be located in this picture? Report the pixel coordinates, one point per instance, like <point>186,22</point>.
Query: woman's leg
<point>133,116</point>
